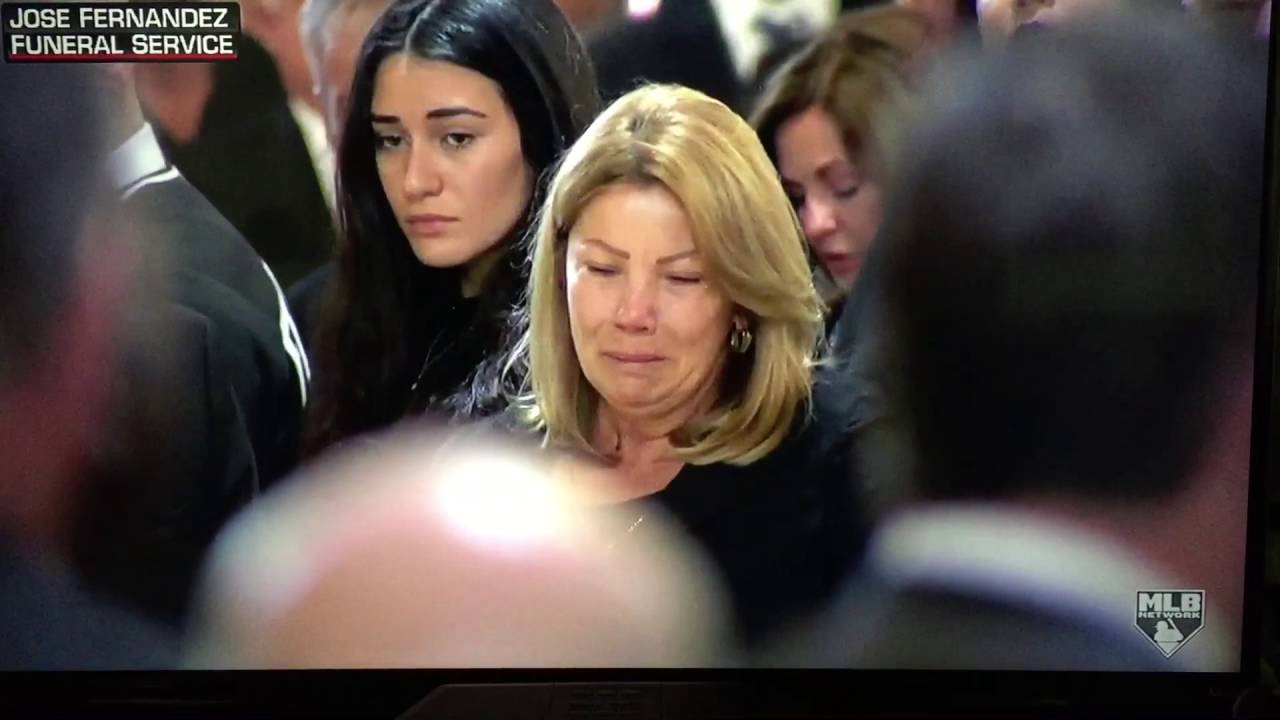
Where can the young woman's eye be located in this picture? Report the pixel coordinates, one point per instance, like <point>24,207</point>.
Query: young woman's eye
<point>386,142</point>
<point>458,140</point>
<point>602,270</point>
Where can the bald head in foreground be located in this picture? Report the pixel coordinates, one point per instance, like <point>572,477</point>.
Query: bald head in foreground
<point>427,550</point>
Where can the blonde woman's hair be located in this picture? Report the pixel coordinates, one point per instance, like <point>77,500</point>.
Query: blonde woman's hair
<point>754,252</point>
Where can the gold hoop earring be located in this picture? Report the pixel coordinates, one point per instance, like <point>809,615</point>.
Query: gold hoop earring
<point>740,340</point>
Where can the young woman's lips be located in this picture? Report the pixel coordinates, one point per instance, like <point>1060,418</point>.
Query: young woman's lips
<point>428,225</point>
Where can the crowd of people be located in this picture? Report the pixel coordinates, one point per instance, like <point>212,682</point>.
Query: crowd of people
<point>519,333</point>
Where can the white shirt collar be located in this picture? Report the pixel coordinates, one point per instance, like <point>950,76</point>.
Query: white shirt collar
<point>1031,559</point>
<point>138,157</point>
<point>311,125</point>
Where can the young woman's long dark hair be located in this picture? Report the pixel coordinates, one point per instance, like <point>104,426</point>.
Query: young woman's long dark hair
<point>397,337</point>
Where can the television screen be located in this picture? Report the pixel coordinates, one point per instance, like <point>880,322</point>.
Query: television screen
<point>670,359</point>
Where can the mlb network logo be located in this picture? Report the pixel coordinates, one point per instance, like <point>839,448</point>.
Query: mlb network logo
<point>1170,618</point>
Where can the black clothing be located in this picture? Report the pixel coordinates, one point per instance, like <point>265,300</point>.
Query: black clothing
<point>682,44</point>
<point>48,623</point>
<point>306,300</point>
<point>784,531</point>
<point>882,625</point>
<point>832,319</point>
<point>251,162</point>
<point>209,268</point>
<point>856,383</point>
<point>205,405</point>
<point>445,359</point>
<point>856,334</point>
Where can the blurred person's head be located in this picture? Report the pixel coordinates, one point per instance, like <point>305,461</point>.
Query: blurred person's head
<point>588,14</point>
<point>274,24</point>
<point>1070,275</point>
<point>62,279</point>
<point>818,122</point>
<point>332,33</point>
<point>122,112</point>
<point>428,551</point>
<point>944,20</point>
<point>456,111</point>
<point>998,20</point>
<point>670,287</point>
<point>1250,17</point>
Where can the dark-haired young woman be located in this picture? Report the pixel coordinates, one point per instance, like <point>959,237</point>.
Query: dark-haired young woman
<point>458,108</point>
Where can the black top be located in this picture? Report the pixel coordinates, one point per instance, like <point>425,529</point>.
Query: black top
<point>783,531</point>
<point>444,352</point>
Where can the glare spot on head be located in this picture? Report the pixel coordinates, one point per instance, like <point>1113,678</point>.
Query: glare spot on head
<point>501,502</point>
<point>264,563</point>
<point>642,9</point>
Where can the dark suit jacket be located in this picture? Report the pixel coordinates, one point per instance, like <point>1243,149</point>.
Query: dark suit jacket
<point>681,44</point>
<point>175,465</point>
<point>205,265</point>
<point>251,162</point>
<point>47,623</point>
<point>306,300</point>
<point>881,626</point>
<point>206,405</point>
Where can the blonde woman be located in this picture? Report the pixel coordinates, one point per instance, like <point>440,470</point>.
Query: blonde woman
<point>672,323</point>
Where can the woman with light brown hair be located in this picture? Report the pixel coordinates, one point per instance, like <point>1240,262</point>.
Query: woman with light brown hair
<point>819,122</point>
<point>672,330</point>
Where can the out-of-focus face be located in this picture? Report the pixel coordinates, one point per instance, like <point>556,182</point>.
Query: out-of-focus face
<point>274,24</point>
<point>940,21</point>
<point>338,65</point>
<point>332,571</point>
<point>449,157</point>
<point>649,329</point>
<point>999,19</point>
<point>584,13</point>
<point>837,205</point>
